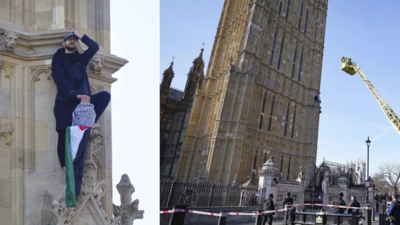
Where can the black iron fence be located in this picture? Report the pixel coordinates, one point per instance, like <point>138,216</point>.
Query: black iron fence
<point>206,195</point>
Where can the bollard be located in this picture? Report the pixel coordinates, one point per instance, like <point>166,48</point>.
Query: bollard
<point>178,218</point>
<point>222,218</point>
<point>382,211</point>
<point>259,218</point>
<point>367,213</point>
<point>354,220</point>
<point>320,218</point>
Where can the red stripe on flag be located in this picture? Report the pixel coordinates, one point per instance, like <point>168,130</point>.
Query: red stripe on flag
<point>83,128</point>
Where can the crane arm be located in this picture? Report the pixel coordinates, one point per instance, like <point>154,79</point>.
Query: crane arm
<point>350,67</point>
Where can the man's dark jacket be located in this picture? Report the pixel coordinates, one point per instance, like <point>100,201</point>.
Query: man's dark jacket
<point>353,204</point>
<point>340,202</point>
<point>69,74</point>
<point>394,212</point>
<point>288,201</point>
<point>269,205</point>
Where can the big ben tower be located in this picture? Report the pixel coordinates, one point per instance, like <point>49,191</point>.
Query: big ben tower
<point>260,94</point>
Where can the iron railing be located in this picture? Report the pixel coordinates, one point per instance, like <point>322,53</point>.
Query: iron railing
<point>192,193</point>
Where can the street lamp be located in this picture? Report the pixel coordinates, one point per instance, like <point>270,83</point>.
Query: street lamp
<point>368,143</point>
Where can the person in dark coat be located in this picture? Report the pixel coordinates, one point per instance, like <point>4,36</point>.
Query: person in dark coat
<point>340,202</point>
<point>268,206</point>
<point>353,203</point>
<point>288,200</point>
<point>394,210</point>
<point>69,75</point>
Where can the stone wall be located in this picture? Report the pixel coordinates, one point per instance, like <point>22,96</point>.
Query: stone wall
<point>30,32</point>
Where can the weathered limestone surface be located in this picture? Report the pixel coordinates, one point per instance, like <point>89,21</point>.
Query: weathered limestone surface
<point>30,32</point>
<point>257,98</point>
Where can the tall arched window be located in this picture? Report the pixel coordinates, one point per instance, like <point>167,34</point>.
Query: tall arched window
<point>301,12</point>
<point>270,115</point>
<point>287,119</point>
<point>301,63</point>
<point>294,120</point>
<point>280,7</point>
<point>280,54</point>
<point>305,26</point>
<point>294,62</point>
<point>281,163</point>
<point>262,110</point>
<point>287,9</point>
<point>255,161</point>
<point>272,51</point>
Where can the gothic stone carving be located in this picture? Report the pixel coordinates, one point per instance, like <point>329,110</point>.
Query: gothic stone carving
<point>96,64</point>
<point>8,41</point>
<point>95,145</point>
<point>128,209</point>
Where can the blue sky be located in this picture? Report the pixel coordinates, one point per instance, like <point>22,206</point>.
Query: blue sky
<point>135,36</point>
<point>366,31</point>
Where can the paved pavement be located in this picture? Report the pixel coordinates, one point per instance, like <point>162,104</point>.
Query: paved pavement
<point>280,221</point>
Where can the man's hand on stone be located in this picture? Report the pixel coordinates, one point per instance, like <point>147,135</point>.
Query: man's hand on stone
<point>83,98</point>
<point>76,33</point>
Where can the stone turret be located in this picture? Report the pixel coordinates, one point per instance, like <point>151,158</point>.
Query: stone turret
<point>268,177</point>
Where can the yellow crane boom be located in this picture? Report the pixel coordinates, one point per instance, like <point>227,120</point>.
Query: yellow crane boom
<point>351,68</point>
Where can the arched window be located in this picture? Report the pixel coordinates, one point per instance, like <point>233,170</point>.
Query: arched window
<point>280,7</point>
<point>301,63</point>
<point>287,119</point>
<point>301,12</point>
<point>294,62</point>
<point>281,163</point>
<point>270,115</point>
<point>255,161</point>
<point>305,26</point>
<point>262,110</point>
<point>287,9</point>
<point>294,120</point>
<point>272,51</point>
<point>280,54</point>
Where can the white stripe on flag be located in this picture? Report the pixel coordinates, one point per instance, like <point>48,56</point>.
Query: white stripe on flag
<point>76,137</point>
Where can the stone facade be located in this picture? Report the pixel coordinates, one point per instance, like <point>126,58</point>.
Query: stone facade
<point>175,112</point>
<point>258,98</point>
<point>30,32</point>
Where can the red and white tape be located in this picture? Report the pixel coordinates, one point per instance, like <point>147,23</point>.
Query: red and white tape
<point>256,213</point>
<point>335,206</point>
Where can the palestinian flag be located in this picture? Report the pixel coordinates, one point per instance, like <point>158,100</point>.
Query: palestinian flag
<point>76,141</point>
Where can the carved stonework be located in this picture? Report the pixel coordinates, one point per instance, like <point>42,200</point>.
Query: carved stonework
<point>8,41</point>
<point>96,64</point>
<point>128,211</point>
<point>301,176</point>
<point>89,209</point>
<point>6,131</point>
<point>95,145</point>
<point>269,169</point>
<point>63,215</point>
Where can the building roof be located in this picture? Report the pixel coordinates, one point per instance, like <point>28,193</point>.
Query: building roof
<point>175,94</point>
